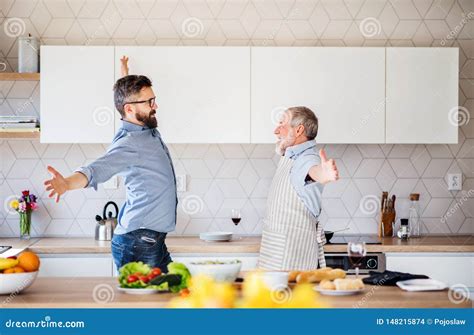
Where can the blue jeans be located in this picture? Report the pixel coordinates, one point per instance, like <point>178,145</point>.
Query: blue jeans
<point>143,245</point>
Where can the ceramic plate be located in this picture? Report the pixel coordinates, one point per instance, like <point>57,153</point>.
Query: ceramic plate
<point>338,292</point>
<point>138,291</point>
<point>216,236</point>
<point>421,285</point>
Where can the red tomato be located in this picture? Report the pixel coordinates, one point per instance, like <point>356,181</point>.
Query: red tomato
<point>156,272</point>
<point>144,279</point>
<point>132,278</point>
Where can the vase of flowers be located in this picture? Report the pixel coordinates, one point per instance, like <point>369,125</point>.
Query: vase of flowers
<point>24,205</point>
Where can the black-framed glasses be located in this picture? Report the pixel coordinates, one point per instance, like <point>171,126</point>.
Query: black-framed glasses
<point>150,101</point>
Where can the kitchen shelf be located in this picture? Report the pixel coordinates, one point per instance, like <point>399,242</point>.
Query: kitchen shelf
<point>19,133</point>
<point>19,76</point>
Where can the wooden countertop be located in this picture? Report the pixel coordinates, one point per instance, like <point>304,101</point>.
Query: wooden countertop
<point>246,244</point>
<point>102,292</point>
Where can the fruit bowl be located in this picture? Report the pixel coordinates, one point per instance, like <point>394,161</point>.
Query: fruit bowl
<point>14,283</point>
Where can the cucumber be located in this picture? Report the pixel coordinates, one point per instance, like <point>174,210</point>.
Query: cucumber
<point>171,279</point>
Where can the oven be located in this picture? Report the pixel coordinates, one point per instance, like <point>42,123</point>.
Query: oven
<point>371,262</point>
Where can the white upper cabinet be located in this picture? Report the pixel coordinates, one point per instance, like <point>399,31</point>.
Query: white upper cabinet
<point>422,95</point>
<point>76,94</point>
<point>203,93</point>
<point>345,87</point>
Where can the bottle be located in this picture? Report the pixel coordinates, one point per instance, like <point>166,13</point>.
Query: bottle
<point>404,232</point>
<point>414,215</point>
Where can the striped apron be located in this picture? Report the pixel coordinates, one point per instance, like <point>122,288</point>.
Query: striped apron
<point>292,239</point>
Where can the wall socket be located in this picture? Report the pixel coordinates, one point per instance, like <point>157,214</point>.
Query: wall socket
<point>454,181</point>
<point>181,183</point>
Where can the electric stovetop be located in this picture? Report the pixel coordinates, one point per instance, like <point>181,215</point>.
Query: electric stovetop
<point>346,239</point>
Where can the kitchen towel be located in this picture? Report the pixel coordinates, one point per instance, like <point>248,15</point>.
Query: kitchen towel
<point>389,278</point>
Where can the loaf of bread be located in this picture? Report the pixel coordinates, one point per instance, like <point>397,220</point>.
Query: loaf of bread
<point>319,275</point>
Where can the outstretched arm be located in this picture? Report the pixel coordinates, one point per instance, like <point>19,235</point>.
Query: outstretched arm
<point>124,66</point>
<point>58,185</point>
<point>326,171</point>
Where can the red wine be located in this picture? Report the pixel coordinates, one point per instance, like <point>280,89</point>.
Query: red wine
<point>356,260</point>
<point>236,221</point>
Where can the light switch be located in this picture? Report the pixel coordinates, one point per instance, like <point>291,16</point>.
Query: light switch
<point>181,183</point>
<point>454,181</point>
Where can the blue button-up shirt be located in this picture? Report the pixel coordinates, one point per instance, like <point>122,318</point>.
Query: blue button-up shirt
<point>138,154</point>
<point>310,192</point>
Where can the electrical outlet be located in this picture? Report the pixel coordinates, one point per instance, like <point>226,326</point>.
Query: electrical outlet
<point>111,184</point>
<point>454,181</point>
<point>181,183</point>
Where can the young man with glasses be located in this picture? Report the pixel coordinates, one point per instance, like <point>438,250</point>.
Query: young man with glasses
<point>138,154</point>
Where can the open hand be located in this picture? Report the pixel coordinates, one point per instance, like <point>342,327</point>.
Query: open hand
<point>57,184</point>
<point>329,171</point>
<point>124,66</point>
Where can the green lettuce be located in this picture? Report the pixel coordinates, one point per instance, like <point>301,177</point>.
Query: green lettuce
<point>180,269</point>
<point>130,268</point>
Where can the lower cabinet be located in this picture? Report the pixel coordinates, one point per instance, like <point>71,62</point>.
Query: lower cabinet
<point>451,268</point>
<point>75,265</point>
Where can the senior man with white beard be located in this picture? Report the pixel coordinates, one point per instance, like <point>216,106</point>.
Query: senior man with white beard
<point>292,239</point>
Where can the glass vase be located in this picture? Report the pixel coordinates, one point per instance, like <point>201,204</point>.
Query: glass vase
<point>25,225</point>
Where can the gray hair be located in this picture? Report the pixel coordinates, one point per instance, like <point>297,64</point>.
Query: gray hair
<point>302,115</point>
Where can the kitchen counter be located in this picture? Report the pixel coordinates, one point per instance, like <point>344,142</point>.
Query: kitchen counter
<point>74,292</point>
<point>250,244</point>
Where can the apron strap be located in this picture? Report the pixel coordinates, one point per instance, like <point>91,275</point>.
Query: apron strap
<point>321,238</point>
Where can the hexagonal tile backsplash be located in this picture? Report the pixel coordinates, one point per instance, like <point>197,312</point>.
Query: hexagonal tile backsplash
<point>223,177</point>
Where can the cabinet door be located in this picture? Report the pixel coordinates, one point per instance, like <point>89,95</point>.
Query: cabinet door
<point>422,95</point>
<point>450,268</point>
<point>345,88</point>
<point>203,93</point>
<point>77,103</point>
<point>75,265</point>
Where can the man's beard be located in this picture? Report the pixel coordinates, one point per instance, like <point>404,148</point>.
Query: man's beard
<point>149,120</point>
<point>284,143</point>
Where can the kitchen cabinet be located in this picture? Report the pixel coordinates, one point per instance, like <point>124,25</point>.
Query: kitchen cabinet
<point>203,93</point>
<point>345,88</point>
<point>76,94</point>
<point>422,95</point>
<point>449,267</point>
<point>75,265</point>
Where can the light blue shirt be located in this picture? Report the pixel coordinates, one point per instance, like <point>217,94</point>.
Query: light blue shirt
<point>310,192</point>
<point>138,154</point>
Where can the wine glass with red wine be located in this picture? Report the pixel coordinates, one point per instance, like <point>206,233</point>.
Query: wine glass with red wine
<point>235,216</point>
<point>356,252</point>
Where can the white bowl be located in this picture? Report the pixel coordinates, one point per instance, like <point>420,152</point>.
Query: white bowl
<point>275,280</point>
<point>16,282</point>
<point>220,270</point>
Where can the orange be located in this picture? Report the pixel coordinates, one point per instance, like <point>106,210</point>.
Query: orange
<point>15,269</point>
<point>29,261</point>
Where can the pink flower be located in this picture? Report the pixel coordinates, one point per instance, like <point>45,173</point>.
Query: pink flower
<point>34,206</point>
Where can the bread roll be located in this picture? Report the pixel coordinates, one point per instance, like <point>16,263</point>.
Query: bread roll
<point>348,284</point>
<point>292,275</point>
<point>327,285</point>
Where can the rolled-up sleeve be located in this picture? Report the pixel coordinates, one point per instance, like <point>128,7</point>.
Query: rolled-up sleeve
<point>117,158</point>
<point>302,166</point>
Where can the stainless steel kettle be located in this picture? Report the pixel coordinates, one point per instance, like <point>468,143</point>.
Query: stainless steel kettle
<point>104,229</point>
